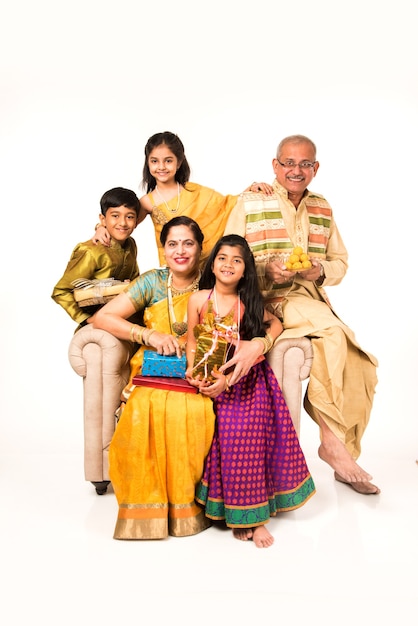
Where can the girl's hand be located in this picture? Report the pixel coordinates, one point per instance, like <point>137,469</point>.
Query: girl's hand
<point>264,188</point>
<point>214,389</point>
<point>101,236</point>
<point>195,382</point>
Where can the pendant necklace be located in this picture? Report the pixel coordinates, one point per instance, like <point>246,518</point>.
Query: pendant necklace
<point>179,328</point>
<point>178,199</point>
<point>218,317</point>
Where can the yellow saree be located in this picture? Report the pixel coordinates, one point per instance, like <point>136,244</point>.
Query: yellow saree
<point>207,207</point>
<point>158,451</point>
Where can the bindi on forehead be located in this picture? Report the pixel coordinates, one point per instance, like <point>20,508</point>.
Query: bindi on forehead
<point>181,240</point>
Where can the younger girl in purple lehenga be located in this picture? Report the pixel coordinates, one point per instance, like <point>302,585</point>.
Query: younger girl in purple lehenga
<point>255,467</point>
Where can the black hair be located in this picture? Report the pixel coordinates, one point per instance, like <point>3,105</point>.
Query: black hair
<point>182,220</point>
<point>174,144</point>
<point>119,196</point>
<point>252,323</point>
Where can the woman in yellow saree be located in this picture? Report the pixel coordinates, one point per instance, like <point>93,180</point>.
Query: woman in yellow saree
<point>161,441</point>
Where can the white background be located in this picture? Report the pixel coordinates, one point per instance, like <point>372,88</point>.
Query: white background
<point>85,84</point>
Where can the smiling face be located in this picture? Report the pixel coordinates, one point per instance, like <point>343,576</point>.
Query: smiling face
<point>163,164</point>
<point>297,176</point>
<point>120,222</point>
<point>182,251</point>
<point>229,265</point>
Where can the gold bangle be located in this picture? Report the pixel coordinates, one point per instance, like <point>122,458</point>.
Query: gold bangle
<point>97,226</point>
<point>267,342</point>
<point>131,333</point>
<point>136,333</point>
<point>262,341</point>
<point>139,334</point>
<point>227,388</point>
<point>149,333</point>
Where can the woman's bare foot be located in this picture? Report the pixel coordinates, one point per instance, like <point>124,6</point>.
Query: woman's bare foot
<point>364,487</point>
<point>262,537</point>
<point>244,534</point>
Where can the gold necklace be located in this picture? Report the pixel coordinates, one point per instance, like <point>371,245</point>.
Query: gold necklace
<point>218,317</point>
<point>178,199</point>
<point>179,328</point>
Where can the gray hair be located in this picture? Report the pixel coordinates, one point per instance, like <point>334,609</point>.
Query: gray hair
<point>295,139</point>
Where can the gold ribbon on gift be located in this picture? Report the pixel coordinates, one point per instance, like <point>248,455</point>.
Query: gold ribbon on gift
<point>213,343</point>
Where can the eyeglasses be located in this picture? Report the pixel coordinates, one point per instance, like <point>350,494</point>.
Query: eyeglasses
<point>291,165</point>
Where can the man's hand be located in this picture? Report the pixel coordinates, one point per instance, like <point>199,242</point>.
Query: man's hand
<point>313,273</point>
<point>277,273</point>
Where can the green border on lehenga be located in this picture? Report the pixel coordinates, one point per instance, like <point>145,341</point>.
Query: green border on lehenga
<point>254,516</point>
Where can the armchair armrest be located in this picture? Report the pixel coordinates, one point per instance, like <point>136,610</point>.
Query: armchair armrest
<point>291,361</point>
<point>102,361</point>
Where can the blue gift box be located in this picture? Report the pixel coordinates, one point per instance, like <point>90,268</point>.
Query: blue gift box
<point>155,364</point>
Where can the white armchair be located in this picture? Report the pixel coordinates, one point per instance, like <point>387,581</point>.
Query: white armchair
<point>103,363</point>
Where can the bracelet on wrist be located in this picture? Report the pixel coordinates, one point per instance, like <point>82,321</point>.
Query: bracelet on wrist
<point>132,332</point>
<point>267,342</point>
<point>145,337</point>
<point>321,276</point>
<point>136,333</point>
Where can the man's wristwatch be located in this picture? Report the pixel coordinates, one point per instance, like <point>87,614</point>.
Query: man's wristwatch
<point>321,277</point>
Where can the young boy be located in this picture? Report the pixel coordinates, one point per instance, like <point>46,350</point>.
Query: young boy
<point>119,214</point>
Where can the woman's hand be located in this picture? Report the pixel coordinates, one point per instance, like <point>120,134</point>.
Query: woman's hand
<point>164,344</point>
<point>244,358</point>
<point>101,236</point>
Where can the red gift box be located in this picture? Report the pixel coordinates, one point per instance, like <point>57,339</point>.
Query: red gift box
<point>164,382</point>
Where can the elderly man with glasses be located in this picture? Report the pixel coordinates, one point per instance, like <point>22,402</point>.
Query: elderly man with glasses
<point>342,382</point>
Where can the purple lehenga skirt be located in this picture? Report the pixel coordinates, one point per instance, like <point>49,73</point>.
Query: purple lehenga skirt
<point>255,467</point>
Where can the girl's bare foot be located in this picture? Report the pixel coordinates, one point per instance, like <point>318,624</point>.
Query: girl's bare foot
<point>262,538</point>
<point>244,534</point>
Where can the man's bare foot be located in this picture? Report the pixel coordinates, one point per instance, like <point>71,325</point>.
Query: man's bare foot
<point>334,452</point>
<point>337,456</point>
<point>364,487</point>
<point>244,534</point>
<point>262,537</point>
